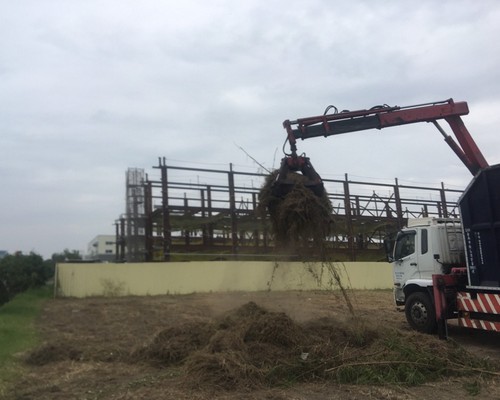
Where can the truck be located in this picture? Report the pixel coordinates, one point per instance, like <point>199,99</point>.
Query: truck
<point>443,268</point>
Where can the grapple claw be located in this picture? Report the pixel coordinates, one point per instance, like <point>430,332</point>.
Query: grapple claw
<point>291,164</point>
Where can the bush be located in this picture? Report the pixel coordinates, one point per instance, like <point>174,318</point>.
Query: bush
<point>20,272</point>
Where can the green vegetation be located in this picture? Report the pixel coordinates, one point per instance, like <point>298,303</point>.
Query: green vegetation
<point>410,359</point>
<point>66,255</point>
<point>17,333</point>
<point>20,272</point>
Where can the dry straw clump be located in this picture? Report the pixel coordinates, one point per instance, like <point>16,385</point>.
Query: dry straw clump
<point>174,344</point>
<point>298,218</point>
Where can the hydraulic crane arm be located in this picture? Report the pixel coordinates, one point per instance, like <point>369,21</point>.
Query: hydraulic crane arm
<point>385,116</point>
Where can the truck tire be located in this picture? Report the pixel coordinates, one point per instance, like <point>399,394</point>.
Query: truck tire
<point>420,312</point>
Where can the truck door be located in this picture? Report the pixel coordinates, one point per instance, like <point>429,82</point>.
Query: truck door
<point>405,262</point>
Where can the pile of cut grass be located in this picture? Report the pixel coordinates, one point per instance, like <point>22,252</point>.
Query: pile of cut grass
<point>252,347</point>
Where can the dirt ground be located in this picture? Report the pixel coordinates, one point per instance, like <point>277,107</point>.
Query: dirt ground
<point>88,343</point>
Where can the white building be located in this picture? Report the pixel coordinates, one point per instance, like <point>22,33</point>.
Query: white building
<point>102,247</point>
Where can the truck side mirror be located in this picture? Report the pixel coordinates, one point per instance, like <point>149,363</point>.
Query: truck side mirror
<point>389,246</point>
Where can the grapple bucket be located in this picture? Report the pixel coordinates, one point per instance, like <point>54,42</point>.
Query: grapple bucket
<point>288,176</point>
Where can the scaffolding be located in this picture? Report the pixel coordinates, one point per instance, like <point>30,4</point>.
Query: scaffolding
<point>188,211</point>
<point>135,215</point>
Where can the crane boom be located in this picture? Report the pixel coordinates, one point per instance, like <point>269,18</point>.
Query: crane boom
<point>385,116</point>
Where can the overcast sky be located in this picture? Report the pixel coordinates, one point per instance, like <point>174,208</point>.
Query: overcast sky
<point>90,88</point>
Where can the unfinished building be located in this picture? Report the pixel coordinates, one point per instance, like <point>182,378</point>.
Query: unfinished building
<point>189,213</point>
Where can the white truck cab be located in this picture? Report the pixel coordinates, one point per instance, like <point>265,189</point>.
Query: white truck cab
<point>425,247</point>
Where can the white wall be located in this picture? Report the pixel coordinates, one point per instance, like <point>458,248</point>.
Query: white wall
<point>83,280</point>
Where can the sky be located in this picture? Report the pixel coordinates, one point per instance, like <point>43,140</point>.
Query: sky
<point>91,88</point>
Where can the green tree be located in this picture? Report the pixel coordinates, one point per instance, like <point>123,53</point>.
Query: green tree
<point>20,272</point>
<point>66,255</point>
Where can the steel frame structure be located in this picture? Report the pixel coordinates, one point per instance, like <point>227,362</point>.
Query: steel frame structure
<point>216,214</point>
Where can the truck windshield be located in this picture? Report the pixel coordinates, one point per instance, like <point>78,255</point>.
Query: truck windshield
<point>405,245</point>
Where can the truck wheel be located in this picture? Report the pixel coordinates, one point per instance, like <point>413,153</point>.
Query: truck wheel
<point>420,312</point>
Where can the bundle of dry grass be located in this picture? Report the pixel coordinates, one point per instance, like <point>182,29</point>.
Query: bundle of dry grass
<point>226,370</point>
<point>299,216</point>
<point>249,343</point>
<point>52,352</point>
<point>172,345</point>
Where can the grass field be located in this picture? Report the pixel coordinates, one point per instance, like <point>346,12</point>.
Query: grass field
<point>17,333</point>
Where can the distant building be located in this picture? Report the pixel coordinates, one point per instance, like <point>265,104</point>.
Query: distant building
<point>102,247</point>
<point>3,253</point>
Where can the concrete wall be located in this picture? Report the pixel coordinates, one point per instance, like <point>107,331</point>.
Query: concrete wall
<point>83,280</point>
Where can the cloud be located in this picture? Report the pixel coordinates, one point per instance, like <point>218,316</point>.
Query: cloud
<point>88,89</point>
